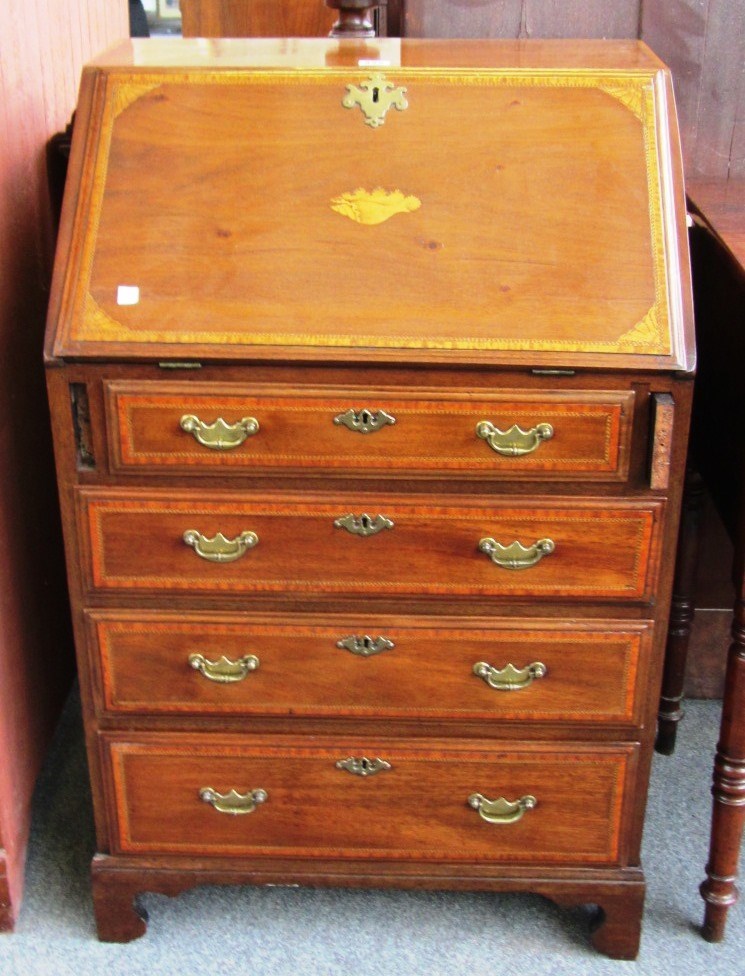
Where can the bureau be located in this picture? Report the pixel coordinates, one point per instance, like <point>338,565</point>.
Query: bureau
<point>370,371</point>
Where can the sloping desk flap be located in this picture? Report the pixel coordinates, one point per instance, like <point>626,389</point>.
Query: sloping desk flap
<point>498,210</point>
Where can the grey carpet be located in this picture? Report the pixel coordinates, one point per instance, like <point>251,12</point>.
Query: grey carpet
<point>283,931</point>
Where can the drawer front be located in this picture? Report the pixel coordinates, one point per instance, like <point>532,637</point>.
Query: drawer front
<point>419,806</point>
<point>570,549</point>
<point>577,434</point>
<point>204,664</point>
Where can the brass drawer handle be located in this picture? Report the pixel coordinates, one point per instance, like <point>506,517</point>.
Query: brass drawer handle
<point>514,442</point>
<point>224,671</point>
<point>363,525</point>
<point>509,678</point>
<point>365,646</point>
<point>220,435</point>
<point>219,549</point>
<point>233,802</point>
<point>501,811</point>
<point>516,556</point>
<point>362,766</point>
<point>364,421</point>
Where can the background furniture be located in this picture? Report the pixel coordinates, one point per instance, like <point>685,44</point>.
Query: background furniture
<point>43,47</point>
<point>722,406</point>
<point>269,18</point>
<point>717,460</point>
<point>255,18</point>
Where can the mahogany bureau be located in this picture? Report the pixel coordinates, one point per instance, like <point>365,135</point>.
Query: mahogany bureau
<point>370,370</point>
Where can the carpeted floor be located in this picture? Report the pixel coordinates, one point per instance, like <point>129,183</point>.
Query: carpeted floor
<point>283,931</point>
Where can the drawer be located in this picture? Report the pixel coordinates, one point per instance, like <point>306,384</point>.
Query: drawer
<point>213,428</point>
<point>165,792</point>
<point>250,543</point>
<point>359,666</point>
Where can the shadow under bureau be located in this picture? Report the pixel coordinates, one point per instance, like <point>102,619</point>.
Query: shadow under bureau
<point>370,371</point>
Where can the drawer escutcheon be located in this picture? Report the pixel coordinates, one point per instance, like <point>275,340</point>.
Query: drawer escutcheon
<point>516,556</point>
<point>364,421</point>
<point>510,678</point>
<point>362,766</point>
<point>234,803</point>
<point>224,671</point>
<point>363,525</point>
<point>501,811</point>
<point>220,549</point>
<point>514,442</point>
<point>220,435</point>
<point>365,646</point>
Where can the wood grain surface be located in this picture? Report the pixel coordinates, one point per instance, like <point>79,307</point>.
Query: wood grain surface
<point>603,549</point>
<point>418,807</point>
<point>603,281</point>
<point>593,675</point>
<point>433,431</point>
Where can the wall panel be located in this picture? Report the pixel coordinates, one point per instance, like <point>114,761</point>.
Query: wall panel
<point>43,44</point>
<point>581,18</point>
<point>463,18</point>
<point>703,41</point>
<point>521,18</point>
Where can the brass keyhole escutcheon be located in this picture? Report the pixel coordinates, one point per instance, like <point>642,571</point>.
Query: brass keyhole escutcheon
<point>365,646</point>
<point>362,766</point>
<point>363,525</point>
<point>364,421</point>
<point>375,96</point>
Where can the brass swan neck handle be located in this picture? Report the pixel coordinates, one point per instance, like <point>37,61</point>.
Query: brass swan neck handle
<point>509,678</point>
<point>516,555</point>
<point>501,811</point>
<point>220,549</point>
<point>514,442</point>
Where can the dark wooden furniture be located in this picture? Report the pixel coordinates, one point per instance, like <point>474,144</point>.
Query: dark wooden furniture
<point>290,18</point>
<point>370,433</point>
<point>718,258</point>
<point>255,18</point>
<point>717,460</point>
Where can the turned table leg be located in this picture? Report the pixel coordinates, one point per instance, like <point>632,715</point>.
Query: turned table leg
<point>681,615</point>
<point>728,817</point>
